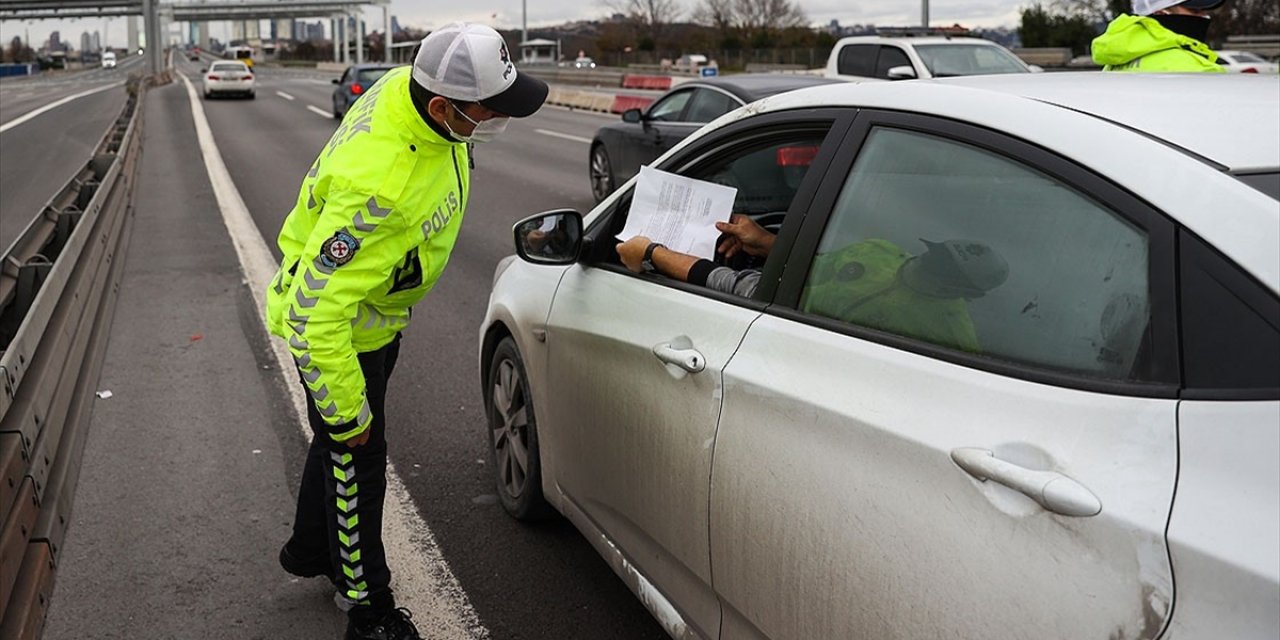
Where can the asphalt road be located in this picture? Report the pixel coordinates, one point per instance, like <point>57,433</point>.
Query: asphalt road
<point>525,582</point>
<point>39,155</point>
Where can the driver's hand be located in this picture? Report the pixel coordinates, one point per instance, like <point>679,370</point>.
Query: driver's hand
<point>744,235</point>
<point>632,253</point>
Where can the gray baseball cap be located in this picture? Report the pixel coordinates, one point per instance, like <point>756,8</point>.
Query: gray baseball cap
<point>470,63</point>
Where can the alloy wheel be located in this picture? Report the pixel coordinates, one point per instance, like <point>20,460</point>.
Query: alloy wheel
<point>511,429</point>
<point>601,174</point>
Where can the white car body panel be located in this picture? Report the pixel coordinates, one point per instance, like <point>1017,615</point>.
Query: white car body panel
<point>911,545</point>
<point>800,408</point>
<point>1224,534</point>
<point>635,462</point>
<point>520,306</point>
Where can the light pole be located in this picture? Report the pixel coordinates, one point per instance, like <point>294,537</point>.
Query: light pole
<point>524,21</point>
<point>924,13</point>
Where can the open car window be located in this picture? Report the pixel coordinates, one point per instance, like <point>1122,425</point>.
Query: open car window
<point>766,169</point>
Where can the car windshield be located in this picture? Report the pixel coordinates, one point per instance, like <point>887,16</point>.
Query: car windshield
<point>370,76</point>
<point>945,60</point>
<point>228,66</point>
<point>1268,183</point>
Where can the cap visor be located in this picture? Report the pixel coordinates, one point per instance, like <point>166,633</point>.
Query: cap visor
<point>524,97</point>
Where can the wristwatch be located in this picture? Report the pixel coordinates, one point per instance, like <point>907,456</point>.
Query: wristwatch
<point>647,263</point>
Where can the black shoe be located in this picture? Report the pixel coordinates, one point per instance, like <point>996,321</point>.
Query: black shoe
<point>394,625</point>
<point>306,567</point>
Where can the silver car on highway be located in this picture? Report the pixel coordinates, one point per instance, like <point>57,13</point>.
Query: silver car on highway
<point>1079,437</point>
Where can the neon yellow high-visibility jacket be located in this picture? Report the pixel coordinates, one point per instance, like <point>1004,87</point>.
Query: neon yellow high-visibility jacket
<point>371,232</point>
<point>860,284</point>
<point>1139,43</point>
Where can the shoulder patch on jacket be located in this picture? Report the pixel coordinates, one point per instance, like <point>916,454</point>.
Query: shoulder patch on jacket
<point>339,249</point>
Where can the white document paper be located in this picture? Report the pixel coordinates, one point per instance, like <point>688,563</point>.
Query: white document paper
<point>678,212</point>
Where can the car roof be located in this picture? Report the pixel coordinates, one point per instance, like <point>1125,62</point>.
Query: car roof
<point>753,86</point>
<point>1206,118</point>
<point>1167,138</point>
<point>915,40</point>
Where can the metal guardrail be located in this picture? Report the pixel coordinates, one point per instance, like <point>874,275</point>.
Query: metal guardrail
<point>58,287</point>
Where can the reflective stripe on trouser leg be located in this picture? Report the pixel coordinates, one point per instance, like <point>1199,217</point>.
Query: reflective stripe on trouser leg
<point>347,499</point>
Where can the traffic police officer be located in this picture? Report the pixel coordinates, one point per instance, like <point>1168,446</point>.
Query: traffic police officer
<point>374,224</point>
<point>1163,36</point>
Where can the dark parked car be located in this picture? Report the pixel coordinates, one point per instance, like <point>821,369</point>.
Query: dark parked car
<point>619,149</point>
<point>355,81</point>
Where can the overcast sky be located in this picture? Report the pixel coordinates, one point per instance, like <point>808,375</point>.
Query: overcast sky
<point>505,14</point>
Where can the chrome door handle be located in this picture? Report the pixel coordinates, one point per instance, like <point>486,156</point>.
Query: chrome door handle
<point>680,352</point>
<point>1049,489</point>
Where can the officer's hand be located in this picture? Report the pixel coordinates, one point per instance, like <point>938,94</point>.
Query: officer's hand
<point>358,439</point>
<point>632,253</point>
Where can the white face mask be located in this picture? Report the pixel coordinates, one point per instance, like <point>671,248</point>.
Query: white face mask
<point>483,132</point>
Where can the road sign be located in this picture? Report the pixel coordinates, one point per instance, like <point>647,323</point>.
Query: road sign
<point>708,72</point>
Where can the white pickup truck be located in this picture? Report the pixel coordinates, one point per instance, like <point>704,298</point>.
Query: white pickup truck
<point>885,58</point>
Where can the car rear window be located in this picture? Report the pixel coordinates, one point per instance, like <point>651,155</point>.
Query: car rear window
<point>370,76</point>
<point>228,66</point>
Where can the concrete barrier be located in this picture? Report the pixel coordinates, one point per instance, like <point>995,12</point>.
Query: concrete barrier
<point>635,81</point>
<point>623,103</point>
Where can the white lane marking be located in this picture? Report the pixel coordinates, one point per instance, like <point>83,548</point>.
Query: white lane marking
<point>54,105</point>
<point>319,111</point>
<point>313,81</point>
<point>423,581</point>
<point>284,95</point>
<point>565,136</point>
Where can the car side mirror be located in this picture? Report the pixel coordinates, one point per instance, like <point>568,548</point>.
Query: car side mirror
<point>904,72</point>
<point>551,237</point>
<point>335,81</point>
<point>634,116</point>
<point>204,70</point>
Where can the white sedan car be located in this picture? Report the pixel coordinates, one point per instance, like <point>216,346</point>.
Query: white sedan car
<point>228,78</point>
<point>1245,62</point>
<point>1012,369</point>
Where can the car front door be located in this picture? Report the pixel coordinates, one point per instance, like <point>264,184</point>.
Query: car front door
<point>634,374</point>
<point>959,417</point>
<point>648,140</point>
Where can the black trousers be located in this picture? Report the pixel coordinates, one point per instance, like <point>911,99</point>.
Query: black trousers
<point>340,500</point>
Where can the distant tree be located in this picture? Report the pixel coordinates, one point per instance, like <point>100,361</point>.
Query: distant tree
<point>1049,28</point>
<point>760,21</point>
<point>717,14</point>
<point>650,18</point>
<point>1245,18</point>
<point>16,50</point>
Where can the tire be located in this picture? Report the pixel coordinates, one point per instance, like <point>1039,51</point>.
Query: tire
<point>252,95</point>
<point>512,424</point>
<point>208,96</point>
<point>601,173</point>
<point>337,115</point>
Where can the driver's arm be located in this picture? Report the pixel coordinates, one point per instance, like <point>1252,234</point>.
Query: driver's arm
<point>687,268</point>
